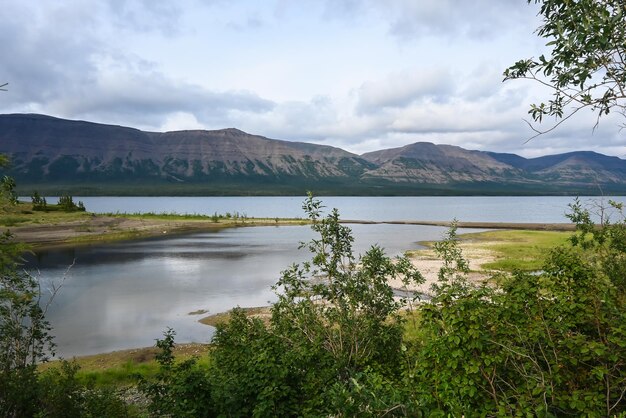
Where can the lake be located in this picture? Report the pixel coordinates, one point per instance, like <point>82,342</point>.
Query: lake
<point>547,209</point>
<point>124,295</point>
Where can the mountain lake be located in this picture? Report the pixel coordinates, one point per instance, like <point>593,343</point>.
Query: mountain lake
<point>124,295</point>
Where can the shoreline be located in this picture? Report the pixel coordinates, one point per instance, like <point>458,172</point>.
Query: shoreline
<point>103,229</point>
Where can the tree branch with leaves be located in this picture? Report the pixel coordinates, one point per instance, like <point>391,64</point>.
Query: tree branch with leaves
<point>586,67</point>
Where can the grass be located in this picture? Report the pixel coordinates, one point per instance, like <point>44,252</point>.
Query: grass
<point>121,368</point>
<point>23,214</point>
<point>517,250</point>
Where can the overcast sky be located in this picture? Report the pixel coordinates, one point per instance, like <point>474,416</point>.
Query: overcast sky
<point>358,74</point>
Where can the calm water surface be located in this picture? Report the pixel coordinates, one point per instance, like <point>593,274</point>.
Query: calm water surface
<point>124,295</point>
<point>467,208</point>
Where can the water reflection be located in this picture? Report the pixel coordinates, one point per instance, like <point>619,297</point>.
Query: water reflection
<point>124,295</point>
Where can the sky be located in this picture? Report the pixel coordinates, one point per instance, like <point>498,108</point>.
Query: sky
<point>361,75</point>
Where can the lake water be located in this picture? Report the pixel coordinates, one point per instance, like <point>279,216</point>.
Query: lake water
<point>417,208</point>
<point>124,295</point>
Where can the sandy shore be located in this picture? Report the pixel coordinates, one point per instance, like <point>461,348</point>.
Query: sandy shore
<point>427,262</point>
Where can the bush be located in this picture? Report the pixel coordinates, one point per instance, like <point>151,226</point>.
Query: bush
<point>66,203</point>
<point>39,202</point>
<point>25,340</point>
<point>336,318</point>
<point>549,344</point>
<point>179,389</point>
<point>62,395</point>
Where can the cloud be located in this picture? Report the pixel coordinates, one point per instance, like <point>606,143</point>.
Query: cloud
<point>404,88</point>
<point>410,19</point>
<point>147,99</point>
<point>57,68</point>
<point>161,16</point>
<point>174,122</point>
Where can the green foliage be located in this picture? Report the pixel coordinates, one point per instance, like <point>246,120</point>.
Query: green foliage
<point>7,184</point>
<point>66,203</point>
<point>586,67</point>
<point>548,344</point>
<point>179,389</point>
<point>336,320</point>
<point>25,340</point>
<point>7,190</point>
<point>24,331</point>
<point>453,272</point>
<point>4,160</point>
<point>371,394</point>
<point>62,395</point>
<point>39,202</point>
<point>253,373</point>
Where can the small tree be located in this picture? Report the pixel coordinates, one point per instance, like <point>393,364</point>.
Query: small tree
<point>66,203</point>
<point>587,67</point>
<point>7,184</point>
<point>7,190</point>
<point>24,332</point>
<point>180,389</point>
<point>39,202</point>
<point>336,322</point>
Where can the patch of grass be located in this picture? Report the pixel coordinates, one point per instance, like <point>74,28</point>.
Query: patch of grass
<point>12,220</point>
<point>413,331</point>
<point>125,375</point>
<point>121,368</point>
<point>23,214</point>
<point>519,249</point>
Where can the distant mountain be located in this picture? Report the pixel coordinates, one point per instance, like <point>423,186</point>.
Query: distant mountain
<point>56,155</point>
<point>424,162</point>
<point>579,166</point>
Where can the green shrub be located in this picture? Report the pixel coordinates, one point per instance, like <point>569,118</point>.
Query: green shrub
<point>66,204</point>
<point>63,396</point>
<point>179,389</point>
<point>336,318</point>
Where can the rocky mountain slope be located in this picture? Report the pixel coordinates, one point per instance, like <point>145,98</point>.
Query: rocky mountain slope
<point>57,154</point>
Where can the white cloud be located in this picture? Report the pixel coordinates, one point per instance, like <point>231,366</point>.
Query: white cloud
<point>403,88</point>
<point>180,121</point>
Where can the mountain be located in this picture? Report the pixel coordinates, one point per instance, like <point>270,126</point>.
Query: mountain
<point>579,166</point>
<point>424,162</point>
<point>55,155</point>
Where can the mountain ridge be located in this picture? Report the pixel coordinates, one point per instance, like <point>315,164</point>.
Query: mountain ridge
<point>59,154</point>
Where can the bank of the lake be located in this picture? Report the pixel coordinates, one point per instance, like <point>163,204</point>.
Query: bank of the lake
<point>45,230</point>
<point>123,293</point>
<point>484,250</point>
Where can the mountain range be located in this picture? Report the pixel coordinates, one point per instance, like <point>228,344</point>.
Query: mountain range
<point>55,155</point>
